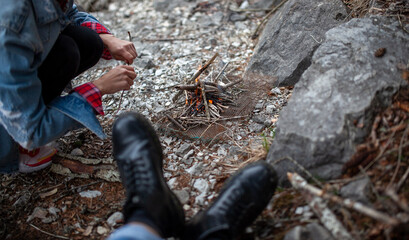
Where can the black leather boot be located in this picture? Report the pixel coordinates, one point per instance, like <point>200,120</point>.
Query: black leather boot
<point>241,200</point>
<point>138,153</point>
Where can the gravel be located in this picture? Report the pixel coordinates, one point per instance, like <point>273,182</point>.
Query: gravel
<point>191,166</point>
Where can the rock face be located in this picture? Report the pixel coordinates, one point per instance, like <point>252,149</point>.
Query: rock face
<point>312,231</point>
<point>290,37</point>
<point>333,105</point>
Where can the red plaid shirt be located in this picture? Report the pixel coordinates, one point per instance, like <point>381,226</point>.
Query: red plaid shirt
<point>88,90</point>
<point>92,95</point>
<point>100,29</point>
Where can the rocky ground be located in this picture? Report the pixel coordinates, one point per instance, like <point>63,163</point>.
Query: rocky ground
<point>80,196</point>
<point>172,43</point>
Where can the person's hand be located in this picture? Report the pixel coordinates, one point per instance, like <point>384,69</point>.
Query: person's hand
<point>119,49</point>
<point>119,78</point>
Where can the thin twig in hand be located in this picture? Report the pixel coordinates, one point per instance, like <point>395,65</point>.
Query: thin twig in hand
<point>122,94</point>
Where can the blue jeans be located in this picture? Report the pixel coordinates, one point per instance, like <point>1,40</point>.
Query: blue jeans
<point>133,232</point>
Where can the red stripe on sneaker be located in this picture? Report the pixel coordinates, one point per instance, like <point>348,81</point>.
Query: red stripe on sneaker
<point>43,161</point>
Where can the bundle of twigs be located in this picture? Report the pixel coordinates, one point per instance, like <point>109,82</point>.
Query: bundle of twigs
<point>204,101</point>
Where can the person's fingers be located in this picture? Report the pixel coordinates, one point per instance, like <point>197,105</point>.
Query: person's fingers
<point>134,50</point>
<point>131,55</point>
<point>130,73</point>
<point>127,67</point>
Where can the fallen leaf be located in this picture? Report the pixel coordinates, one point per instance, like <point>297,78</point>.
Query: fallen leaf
<point>77,167</point>
<point>50,193</point>
<point>88,231</point>
<point>38,212</point>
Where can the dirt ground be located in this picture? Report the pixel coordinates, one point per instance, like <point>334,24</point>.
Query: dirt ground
<point>383,159</point>
<point>86,218</point>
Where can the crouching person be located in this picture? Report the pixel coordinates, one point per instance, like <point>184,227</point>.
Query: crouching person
<point>43,46</point>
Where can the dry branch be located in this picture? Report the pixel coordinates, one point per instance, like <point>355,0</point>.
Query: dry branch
<point>201,70</point>
<point>50,234</point>
<point>299,183</point>
<point>221,72</point>
<point>328,218</point>
<point>175,122</point>
<point>166,39</point>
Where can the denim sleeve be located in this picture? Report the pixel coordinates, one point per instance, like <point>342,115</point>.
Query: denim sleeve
<point>78,17</point>
<point>133,232</point>
<point>22,111</point>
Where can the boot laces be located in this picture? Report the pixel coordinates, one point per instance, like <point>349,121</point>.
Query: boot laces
<point>139,177</point>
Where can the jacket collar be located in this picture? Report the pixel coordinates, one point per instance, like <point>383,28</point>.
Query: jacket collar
<point>47,11</point>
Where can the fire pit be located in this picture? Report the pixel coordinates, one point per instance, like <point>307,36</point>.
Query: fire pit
<point>202,108</point>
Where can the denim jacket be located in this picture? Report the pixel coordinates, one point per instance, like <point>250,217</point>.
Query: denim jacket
<point>28,30</point>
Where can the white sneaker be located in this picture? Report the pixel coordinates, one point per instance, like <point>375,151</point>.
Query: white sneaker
<point>37,159</point>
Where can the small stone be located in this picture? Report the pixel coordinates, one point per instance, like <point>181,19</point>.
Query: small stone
<point>259,106</point>
<point>183,149</point>
<point>115,218</point>
<point>222,152</point>
<point>48,220</point>
<point>203,187</point>
<point>196,169</point>
<point>77,152</point>
<point>53,211</point>
<point>358,190</point>
<point>256,127</point>
<point>270,109</point>
<point>299,210</point>
<point>182,195</point>
<point>101,230</point>
<point>275,91</point>
<point>188,157</point>
<point>90,194</point>
<point>159,72</point>
<point>312,230</point>
<point>237,17</point>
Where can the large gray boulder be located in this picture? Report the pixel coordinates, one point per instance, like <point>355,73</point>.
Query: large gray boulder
<point>333,105</point>
<point>312,231</point>
<point>289,39</point>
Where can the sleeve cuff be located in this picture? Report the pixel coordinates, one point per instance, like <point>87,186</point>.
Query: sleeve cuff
<point>100,29</point>
<point>93,96</point>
